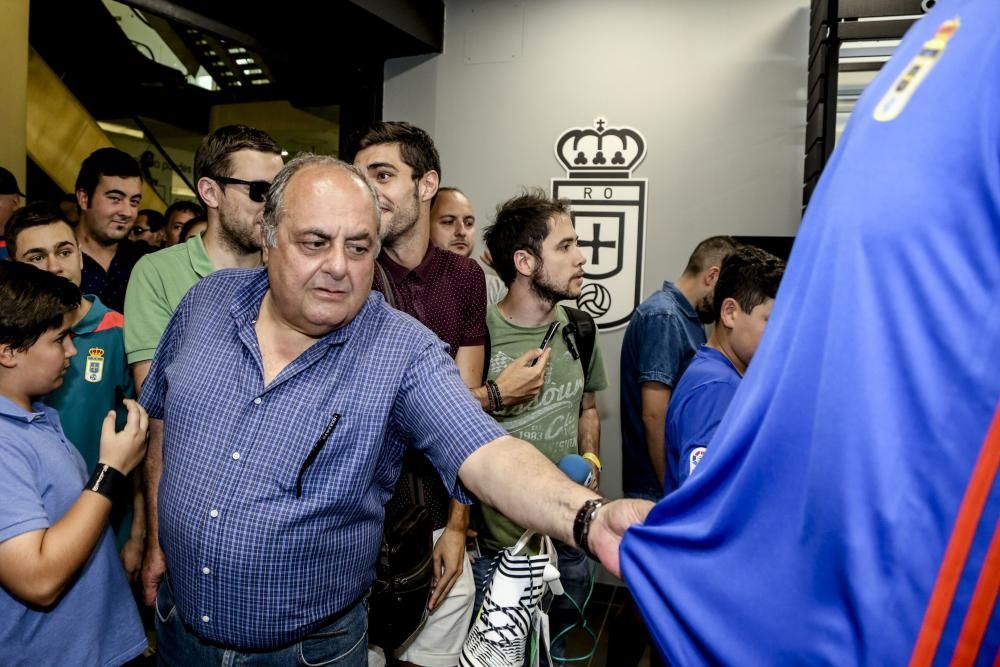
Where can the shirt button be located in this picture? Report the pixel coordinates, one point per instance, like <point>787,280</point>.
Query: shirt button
<point>205,619</point>
<point>213,513</point>
<point>257,401</point>
<point>206,570</point>
<point>236,456</point>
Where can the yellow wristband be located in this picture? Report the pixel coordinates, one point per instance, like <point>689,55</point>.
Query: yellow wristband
<point>592,457</point>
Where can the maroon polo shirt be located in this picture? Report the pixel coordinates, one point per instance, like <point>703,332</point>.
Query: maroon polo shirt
<point>447,293</point>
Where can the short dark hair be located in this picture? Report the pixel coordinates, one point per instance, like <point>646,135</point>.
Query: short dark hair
<point>154,219</point>
<point>182,205</point>
<point>105,162</point>
<point>415,146</point>
<point>710,252</point>
<point>186,229</point>
<point>522,223</point>
<point>445,189</point>
<point>213,155</point>
<point>37,214</point>
<point>750,276</point>
<point>34,301</point>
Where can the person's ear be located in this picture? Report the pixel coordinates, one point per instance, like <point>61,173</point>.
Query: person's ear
<point>729,312</point>
<point>711,276</point>
<point>209,191</point>
<point>8,356</point>
<point>427,187</point>
<point>82,200</point>
<point>525,263</point>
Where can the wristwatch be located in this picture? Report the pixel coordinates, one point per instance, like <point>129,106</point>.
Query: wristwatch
<point>581,526</point>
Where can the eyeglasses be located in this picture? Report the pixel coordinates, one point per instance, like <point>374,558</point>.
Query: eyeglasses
<point>257,189</point>
<point>139,231</point>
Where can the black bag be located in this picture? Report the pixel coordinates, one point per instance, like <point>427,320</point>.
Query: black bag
<point>397,607</point>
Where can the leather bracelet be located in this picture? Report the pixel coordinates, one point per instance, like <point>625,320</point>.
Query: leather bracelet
<point>106,481</point>
<point>496,398</point>
<point>581,526</point>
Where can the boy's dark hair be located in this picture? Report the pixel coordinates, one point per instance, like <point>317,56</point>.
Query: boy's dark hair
<point>154,219</point>
<point>37,214</point>
<point>522,223</point>
<point>750,276</point>
<point>710,252</point>
<point>34,301</point>
<point>182,205</point>
<point>213,155</point>
<point>415,146</point>
<point>105,162</point>
<point>186,229</point>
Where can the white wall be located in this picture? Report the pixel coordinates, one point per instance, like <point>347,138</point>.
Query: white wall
<point>716,87</point>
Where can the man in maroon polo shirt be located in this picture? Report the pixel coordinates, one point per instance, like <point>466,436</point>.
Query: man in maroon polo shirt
<point>447,293</point>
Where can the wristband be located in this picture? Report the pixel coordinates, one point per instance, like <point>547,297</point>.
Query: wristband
<point>592,457</point>
<point>495,397</point>
<point>106,481</point>
<point>581,526</point>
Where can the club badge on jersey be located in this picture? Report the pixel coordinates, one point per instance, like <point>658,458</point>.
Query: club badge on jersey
<point>95,365</point>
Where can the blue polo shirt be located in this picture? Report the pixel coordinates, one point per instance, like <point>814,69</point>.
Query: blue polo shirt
<point>661,338</point>
<point>696,407</point>
<point>95,622</point>
<point>272,496</point>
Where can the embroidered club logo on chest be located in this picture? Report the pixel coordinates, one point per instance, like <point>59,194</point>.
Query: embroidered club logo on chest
<point>94,370</point>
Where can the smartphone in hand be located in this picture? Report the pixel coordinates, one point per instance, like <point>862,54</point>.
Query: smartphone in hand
<point>550,333</point>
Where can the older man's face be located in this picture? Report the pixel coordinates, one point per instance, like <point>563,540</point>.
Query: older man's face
<point>322,266</point>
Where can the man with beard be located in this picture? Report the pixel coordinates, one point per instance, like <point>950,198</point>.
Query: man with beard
<point>108,192</point>
<point>535,252</point>
<point>447,293</point>
<point>234,167</point>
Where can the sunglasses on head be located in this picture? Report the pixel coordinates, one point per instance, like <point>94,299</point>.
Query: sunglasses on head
<point>257,189</point>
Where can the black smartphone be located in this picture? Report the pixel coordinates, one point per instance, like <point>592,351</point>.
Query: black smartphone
<point>550,333</point>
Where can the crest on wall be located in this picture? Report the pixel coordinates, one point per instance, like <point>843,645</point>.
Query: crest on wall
<point>608,207</point>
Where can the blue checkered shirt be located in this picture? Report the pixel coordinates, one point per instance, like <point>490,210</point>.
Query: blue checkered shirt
<point>254,565</point>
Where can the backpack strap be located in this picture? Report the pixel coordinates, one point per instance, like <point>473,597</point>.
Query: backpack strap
<point>584,330</point>
<point>383,278</point>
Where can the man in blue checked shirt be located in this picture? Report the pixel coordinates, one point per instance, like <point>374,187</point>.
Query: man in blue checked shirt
<point>283,400</point>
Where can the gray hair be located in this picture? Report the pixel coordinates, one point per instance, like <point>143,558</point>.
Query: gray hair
<point>274,206</point>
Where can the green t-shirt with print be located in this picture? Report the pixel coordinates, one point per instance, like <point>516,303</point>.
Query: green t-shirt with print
<point>550,420</point>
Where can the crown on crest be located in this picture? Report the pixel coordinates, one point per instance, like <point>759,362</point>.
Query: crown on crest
<point>600,151</point>
<point>95,352</point>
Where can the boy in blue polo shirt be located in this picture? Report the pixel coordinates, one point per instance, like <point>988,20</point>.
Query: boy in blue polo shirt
<point>63,593</point>
<point>743,298</point>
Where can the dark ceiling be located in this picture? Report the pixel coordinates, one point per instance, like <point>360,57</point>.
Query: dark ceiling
<point>315,54</point>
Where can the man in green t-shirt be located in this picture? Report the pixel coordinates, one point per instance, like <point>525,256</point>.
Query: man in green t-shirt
<point>535,252</point>
<point>39,235</point>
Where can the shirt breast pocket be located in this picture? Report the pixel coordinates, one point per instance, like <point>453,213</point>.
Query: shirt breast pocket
<point>314,461</point>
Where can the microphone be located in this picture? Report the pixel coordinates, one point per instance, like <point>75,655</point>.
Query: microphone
<point>577,469</point>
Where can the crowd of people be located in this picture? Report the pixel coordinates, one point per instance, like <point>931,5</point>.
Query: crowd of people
<point>191,369</point>
<point>258,384</point>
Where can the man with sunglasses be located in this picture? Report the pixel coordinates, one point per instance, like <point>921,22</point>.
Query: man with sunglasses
<point>233,169</point>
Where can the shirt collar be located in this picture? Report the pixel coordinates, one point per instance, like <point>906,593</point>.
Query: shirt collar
<point>397,271</point>
<point>93,317</point>
<point>200,261</point>
<point>682,301</point>
<point>12,410</point>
